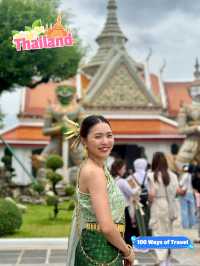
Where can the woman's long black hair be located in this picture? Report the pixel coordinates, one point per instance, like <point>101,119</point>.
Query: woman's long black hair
<point>160,165</point>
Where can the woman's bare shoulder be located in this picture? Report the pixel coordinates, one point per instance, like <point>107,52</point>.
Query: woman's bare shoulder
<point>91,172</point>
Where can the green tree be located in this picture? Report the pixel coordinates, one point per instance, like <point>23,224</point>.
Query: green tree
<point>53,163</point>
<point>20,68</point>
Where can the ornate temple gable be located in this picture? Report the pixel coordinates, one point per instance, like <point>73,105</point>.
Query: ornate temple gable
<point>118,84</point>
<point>120,90</point>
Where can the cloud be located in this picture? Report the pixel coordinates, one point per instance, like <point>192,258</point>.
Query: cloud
<point>137,12</point>
<point>148,13</point>
<point>170,28</point>
<point>175,39</point>
<point>10,102</point>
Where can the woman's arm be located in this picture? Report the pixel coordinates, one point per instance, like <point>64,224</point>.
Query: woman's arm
<point>183,182</point>
<point>127,189</point>
<point>151,188</point>
<point>96,183</point>
<point>178,186</point>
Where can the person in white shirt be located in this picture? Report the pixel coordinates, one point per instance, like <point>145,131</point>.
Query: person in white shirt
<point>118,170</point>
<point>140,176</point>
<point>163,188</point>
<point>140,166</point>
<point>187,200</point>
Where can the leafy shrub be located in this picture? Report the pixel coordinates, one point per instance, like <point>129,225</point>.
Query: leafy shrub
<point>7,160</point>
<point>10,217</point>
<point>71,205</point>
<point>54,162</point>
<point>52,200</point>
<point>69,190</point>
<point>37,186</point>
<point>53,176</point>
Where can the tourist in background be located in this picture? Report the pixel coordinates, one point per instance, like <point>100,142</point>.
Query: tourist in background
<point>140,170</point>
<point>197,197</point>
<point>171,158</point>
<point>186,198</point>
<point>196,187</point>
<point>118,171</point>
<point>171,161</point>
<point>140,177</point>
<point>163,187</point>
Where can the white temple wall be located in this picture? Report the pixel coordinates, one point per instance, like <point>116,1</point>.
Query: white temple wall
<point>24,155</point>
<point>152,147</point>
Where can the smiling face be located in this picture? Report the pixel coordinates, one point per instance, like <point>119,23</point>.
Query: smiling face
<point>99,141</point>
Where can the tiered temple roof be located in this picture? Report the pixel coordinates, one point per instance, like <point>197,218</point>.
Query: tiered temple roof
<point>110,36</point>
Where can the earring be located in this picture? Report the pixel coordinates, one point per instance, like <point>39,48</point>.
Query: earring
<point>85,152</point>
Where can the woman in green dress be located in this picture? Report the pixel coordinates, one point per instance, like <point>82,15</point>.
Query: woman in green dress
<point>96,237</point>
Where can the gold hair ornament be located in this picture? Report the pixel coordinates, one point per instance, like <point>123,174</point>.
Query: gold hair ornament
<point>72,131</point>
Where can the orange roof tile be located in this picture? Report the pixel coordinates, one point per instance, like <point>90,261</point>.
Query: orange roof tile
<point>36,100</point>
<point>143,127</point>
<point>25,133</point>
<point>119,126</point>
<point>85,82</point>
<point>177,93</point>
<point>155,84</point>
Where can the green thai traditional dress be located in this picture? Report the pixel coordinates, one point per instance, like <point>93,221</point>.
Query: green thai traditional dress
<point>90,247</point>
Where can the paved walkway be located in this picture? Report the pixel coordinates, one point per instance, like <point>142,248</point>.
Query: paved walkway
<point>52,257</point>
<point>52,252</point>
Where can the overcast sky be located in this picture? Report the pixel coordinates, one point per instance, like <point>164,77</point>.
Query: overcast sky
<point>171,28</point>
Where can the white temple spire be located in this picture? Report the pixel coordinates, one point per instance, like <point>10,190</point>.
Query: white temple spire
<point>197,70</point>
<point>162,88</point>
<point>147,72</point>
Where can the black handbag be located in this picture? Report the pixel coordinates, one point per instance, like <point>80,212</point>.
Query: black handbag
<point>144,193</point>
